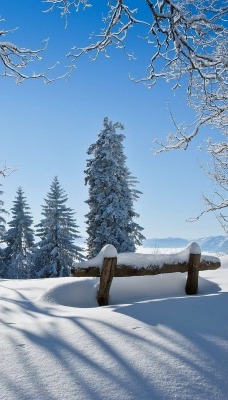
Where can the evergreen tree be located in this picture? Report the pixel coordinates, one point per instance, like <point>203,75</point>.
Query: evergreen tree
<point>111,194</point>
<point>2,220</point>
<point>56,251</point>
<point>19,239</point>
<point>2,232</point>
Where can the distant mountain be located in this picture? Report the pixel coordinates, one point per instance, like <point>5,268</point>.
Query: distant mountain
<point>218,244</point>
<point>169,242</point>
<point>213,244</point>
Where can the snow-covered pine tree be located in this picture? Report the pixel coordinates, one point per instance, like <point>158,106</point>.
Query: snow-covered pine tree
<point>19,239</point>
<point>111,194</point>
<point>2,220</point>
<point>56,251</point>
<point>2,231</point>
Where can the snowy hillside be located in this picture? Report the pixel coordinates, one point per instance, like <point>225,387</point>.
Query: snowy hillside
<point>217,244</point>
<point>214,244</point>
<point>152,343</point>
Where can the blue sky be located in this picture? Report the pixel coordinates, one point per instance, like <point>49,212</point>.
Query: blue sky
<point>46,129</point>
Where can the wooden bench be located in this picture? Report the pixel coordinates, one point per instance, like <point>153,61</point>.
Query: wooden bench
<point>109,264</point>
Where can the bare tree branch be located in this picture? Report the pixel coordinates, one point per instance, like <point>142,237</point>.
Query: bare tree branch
<point>6,171</point>
<point>15,61</point>
<point>211,206</point>
<point>188,43</point>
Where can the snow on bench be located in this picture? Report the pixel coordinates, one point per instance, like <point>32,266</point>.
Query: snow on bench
<point>108,264</point>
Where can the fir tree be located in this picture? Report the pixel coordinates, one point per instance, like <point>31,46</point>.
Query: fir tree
<point>56,250</point>
<point>19,239</point>
<point>111,194</point>
<point>2,220</point>
<point>2,232</point>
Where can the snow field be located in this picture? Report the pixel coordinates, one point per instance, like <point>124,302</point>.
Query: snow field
<point>152,343</point>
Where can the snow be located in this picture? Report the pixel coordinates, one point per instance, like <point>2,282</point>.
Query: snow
<point>139,260</point>
<point>107,251</point>
<point>152,343</point>
<point>194,248</point>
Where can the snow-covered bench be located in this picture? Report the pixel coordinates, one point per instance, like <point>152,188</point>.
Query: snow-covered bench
<point>108,264</point>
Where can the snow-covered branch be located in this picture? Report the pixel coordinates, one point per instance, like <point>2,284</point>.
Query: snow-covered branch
<point>15,61</point>
<point>218,208</point>
<point>6,171</point>
<point>187,42</point>
<point>65,5</point>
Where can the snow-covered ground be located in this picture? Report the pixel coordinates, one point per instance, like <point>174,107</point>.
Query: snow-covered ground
<point>152,343</point>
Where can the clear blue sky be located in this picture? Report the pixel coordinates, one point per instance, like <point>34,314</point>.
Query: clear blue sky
<point>46,129</point>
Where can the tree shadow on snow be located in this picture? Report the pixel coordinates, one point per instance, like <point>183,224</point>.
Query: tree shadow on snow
<point>196,329</point>
<point>151,350</point>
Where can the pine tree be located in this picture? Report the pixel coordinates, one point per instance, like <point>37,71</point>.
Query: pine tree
<point>2,220</point>
<point>2,232</point>
<point>111,194</point>
<point>56,250</point>
<point>19,239</point>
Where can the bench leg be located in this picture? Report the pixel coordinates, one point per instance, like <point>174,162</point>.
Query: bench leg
<point>107,274</point>
<point>193,274</point>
